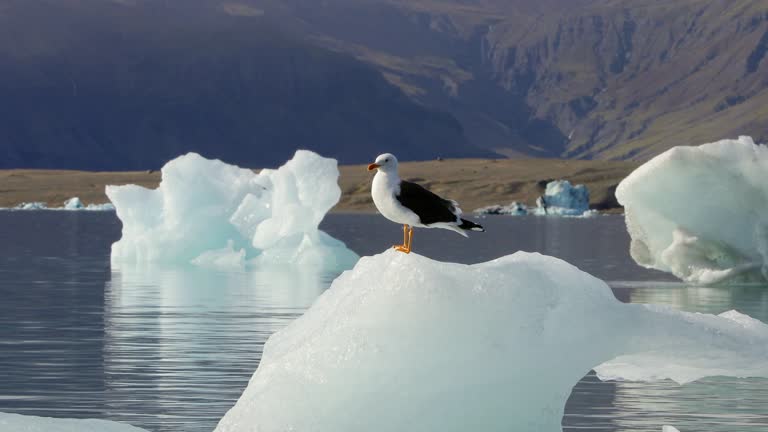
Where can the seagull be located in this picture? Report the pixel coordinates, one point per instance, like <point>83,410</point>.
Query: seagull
<point>412,205</point>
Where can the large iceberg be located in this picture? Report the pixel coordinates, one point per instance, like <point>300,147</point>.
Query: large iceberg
<point>21,423</point>
<point>219,215</point>
<point>402,342</point>
<point>701,213</point>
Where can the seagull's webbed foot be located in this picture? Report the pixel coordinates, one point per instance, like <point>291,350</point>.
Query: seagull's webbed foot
<point>407,240</point>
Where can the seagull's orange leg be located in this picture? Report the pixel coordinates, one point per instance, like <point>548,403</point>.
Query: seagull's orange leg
<point>406,247</point>
<point>405,239</point>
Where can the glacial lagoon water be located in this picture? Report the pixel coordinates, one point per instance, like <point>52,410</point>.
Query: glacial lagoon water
<point>171,348</point>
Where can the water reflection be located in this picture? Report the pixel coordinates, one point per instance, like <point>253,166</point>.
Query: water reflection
<point>170,349</point>
<point>181,342</point>
<point>712,404</point>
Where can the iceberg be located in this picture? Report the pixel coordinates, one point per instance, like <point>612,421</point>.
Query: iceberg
<point>100,207</point>
<point>561,198</point>
<point>701,213</point>
<point>73,204</point>
<point>402,342</point>
<point>210,213</point>
<point>513,209</point>
<point>23,423</point>
<point>35,205</point>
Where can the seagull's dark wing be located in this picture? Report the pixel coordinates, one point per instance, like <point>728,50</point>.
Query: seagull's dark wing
<point>429,207</point>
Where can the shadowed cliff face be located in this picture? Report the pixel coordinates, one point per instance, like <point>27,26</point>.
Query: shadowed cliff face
<point>579,79</point>
<point>128,85</point>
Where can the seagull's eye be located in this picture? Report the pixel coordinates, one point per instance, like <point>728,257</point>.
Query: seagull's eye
<point>386,160</point>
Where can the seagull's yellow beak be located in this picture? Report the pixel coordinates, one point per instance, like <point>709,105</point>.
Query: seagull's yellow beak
<point>373,166</point>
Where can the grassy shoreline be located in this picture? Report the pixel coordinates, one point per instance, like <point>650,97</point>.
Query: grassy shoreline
<point>473,183</point>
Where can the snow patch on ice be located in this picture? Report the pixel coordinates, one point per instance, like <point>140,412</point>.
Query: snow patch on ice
<point>22,423</point>
<point>213,214</point>
<point>701,213</point>
<point>402,342</point>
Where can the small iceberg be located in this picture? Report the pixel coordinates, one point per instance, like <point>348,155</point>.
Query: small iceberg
<point>212,214</point>
<point>513,209</point>
<point>561,198</point>
<point>72,204</point>
<point>701,213</point>
<point>403,342</point>
<point>36,205</point>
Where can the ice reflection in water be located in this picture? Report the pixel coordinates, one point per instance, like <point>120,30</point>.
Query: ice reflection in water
<point>182,342</point>
<point>710,405</point>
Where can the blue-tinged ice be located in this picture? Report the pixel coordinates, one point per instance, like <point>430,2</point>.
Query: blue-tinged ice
<point>73,204</point>
<point>701,213</point>
<point>403,342</point>
<point>213,214</point>
<point>561,198</point>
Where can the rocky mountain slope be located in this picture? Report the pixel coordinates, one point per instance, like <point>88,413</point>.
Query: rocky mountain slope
<point>127,84</point>
<point>115,85</point>
<point>618,79</point>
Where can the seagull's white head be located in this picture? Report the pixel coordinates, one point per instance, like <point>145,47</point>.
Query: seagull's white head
<point>386,163</point>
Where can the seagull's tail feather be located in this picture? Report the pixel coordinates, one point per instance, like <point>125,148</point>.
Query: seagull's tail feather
<point>471,226</point>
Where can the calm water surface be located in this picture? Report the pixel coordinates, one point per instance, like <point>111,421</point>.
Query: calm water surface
<point>171,349</point>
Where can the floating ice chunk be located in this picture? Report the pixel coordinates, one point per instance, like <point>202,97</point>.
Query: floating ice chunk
<point>669,429</point>
<point>22,423</point>
<point>31,206</point>
<point>402,342</point>
<point>100,207</point>
<point>73,204</point>
<point>701,213</point>
<point>513,209</point>
<point>563,199</point>
<point>70,205</point>
<point>213,214</point>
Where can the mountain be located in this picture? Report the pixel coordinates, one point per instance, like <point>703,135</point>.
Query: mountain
<point>613,79</point>
<point>124,85</point>
<point>127,84</point>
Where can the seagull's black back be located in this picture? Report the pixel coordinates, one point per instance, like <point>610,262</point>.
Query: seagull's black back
<point>429,207</point>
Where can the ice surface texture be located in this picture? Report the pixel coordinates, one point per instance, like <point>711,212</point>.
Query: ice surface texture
<point>20,423</point>
<point>220,215</point>
<point>405,343</point>
<point>701,213</point>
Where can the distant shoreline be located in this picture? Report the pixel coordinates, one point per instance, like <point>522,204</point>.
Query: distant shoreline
<point>474,183</point>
